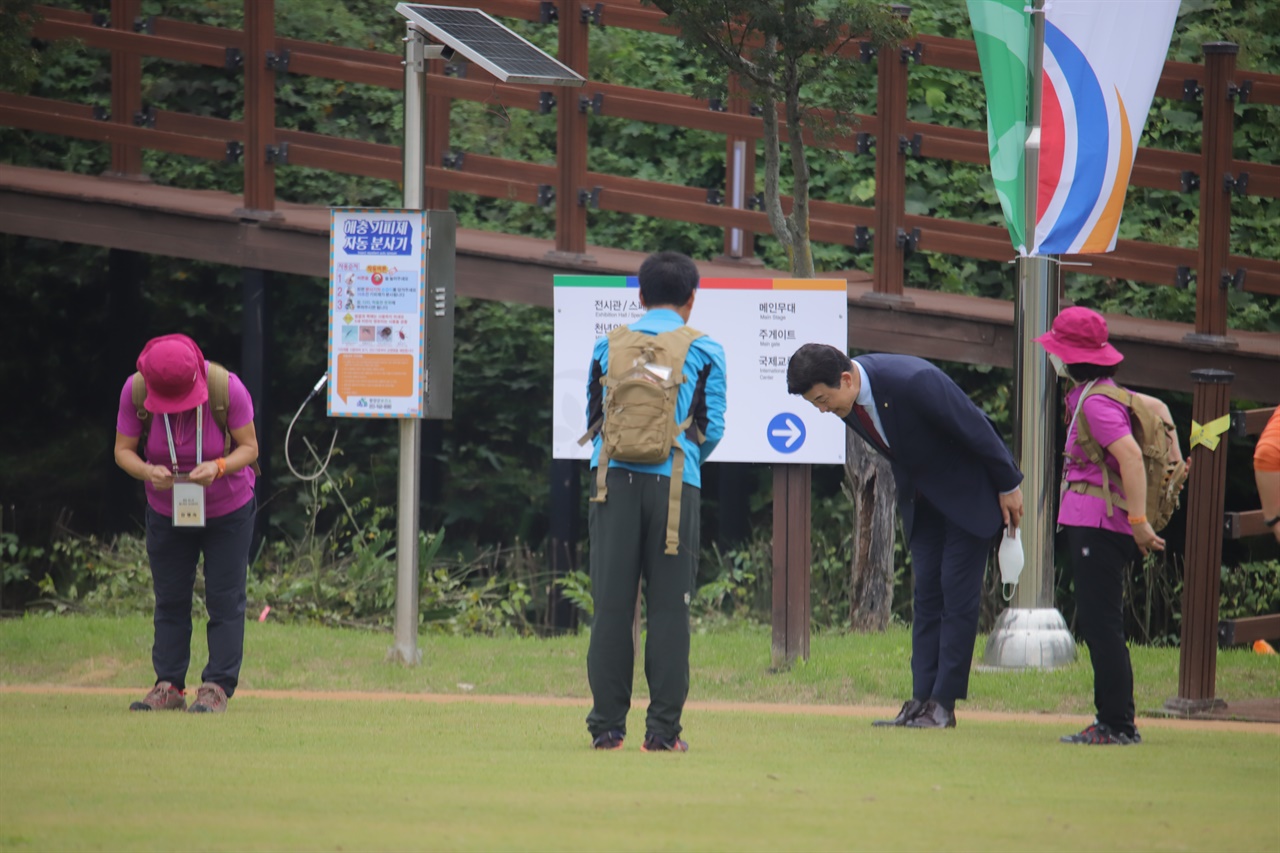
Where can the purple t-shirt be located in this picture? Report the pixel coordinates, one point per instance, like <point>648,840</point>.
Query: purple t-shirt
<point>225,494</point>
<point>1108,421</point>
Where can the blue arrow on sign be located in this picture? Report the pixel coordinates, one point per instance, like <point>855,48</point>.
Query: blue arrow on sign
<point>786,433</point>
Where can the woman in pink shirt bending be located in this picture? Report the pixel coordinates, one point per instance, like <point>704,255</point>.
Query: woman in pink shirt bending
<point>200,501</point>
<point>1101,544</point>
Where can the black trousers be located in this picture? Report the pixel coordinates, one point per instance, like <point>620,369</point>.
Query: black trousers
<point>174,553</point>
<point>947,563</point>
<point>628,535</point>
<point>1098,561</point>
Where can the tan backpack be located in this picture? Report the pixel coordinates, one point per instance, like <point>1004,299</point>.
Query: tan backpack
<point>219,380</point>
<point>639,419</point>
<point>1165,473</point>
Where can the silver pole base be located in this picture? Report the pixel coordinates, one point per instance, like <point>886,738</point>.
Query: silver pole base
<point>1026,638</point>
<point>407,654</point>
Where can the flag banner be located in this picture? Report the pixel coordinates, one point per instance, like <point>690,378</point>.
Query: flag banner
<point>1102,62</point>
<point>1002,33</point>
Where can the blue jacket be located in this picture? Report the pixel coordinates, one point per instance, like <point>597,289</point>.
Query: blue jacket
<point>941,444</point>
<point>705,357</point>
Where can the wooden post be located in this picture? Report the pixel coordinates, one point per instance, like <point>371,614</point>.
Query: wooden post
<point>435,134</point>
<point>571,139</point>
<point>792,556</point>
<point>1217,133</point>
<point>259,105</point>
<point>891,174</point>
<point>1197,665</point>
<point>126,91</point>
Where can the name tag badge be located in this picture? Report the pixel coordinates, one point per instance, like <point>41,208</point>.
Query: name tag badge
<point>188,505</point>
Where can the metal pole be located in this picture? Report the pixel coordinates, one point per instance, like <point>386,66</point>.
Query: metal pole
<point>1032,633</point>
<point>405,650</point>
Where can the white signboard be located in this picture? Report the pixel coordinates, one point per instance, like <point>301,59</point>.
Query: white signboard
<point>377,301</point>
<point>759,322</point>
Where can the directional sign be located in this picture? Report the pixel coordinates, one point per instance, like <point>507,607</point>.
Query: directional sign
<point>759,322</point>
<point>786,433</point>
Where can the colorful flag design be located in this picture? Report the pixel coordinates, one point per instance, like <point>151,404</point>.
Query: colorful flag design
<point>1102,62</point>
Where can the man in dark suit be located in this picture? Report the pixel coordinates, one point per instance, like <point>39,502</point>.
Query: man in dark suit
<point>958,486</point>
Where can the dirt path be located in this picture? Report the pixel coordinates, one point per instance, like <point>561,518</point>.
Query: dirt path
<point>1070,721</point>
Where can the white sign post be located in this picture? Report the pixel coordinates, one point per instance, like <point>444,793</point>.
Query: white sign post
<point>759,322</point>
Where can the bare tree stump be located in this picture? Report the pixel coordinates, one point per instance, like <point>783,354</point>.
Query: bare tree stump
<point>874,511</point>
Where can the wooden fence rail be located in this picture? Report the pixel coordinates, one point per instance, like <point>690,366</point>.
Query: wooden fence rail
<point>573,189</point>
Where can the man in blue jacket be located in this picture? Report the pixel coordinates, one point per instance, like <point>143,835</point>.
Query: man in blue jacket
<point>629,533</point>
<point>958,486</point>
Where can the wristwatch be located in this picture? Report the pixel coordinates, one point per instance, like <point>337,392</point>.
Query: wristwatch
<point>1271,522</point>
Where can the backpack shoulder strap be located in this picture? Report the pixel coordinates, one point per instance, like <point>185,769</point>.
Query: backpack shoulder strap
<point>1083,434</point>
<point>1095,451</point>
<point>681,339</point>
<point>219,380</point>
<point>138,393</point>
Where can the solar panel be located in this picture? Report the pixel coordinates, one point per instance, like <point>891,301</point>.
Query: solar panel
<point>490,45</point>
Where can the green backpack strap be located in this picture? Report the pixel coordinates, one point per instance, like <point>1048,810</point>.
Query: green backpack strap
<point>138,392</point>
<point>219,379</point>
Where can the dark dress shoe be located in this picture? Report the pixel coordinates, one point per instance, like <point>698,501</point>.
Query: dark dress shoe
<point>910,708</point>
<point>933,716</point>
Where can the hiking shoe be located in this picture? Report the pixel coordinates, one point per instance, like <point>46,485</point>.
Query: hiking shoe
<point>610,740</point>
<point>657,743</point>
<point>1100,734</point>
<point>163,697</point>
<point>210,699</point>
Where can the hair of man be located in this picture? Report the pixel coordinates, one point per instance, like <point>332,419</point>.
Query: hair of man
<point>816,364</point>
<point>1083,372</point>
<point>667,278</point>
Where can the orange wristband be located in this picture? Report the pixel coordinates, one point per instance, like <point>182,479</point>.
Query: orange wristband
<point>1137,519</point>
<point>222,466</point>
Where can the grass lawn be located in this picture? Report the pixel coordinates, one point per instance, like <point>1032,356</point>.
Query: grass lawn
<point>295,773</point>
<point>291,774</point>
<point>727,665</point>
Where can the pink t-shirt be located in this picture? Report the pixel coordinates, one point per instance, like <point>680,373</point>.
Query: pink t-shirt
<point>1108,421</point>
<point>224,495</point>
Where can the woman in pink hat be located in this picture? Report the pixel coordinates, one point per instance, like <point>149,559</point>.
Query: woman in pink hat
<point>200,501</point>
<point>1101,544</point>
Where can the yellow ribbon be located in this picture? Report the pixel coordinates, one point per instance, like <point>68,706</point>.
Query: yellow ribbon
<point>1207,434</point>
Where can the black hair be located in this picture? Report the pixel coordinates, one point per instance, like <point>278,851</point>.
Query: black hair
<point>816,364</point>
<point>1084,372</point>
<point>668,278</point>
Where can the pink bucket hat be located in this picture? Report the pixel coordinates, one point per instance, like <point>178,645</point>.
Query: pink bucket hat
<point>1079,336</point>
<point>174,369</point>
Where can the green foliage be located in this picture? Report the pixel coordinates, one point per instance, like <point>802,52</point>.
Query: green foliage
<point>484,471</point>
<point>1250,589</point>
<point>19,61</point>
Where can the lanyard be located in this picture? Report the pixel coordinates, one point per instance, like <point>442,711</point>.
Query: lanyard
<point>173,454</point>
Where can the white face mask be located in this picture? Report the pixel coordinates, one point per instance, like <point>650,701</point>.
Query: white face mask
<point>1059,367</point>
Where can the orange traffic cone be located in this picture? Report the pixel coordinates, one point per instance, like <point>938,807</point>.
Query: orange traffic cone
<point>1262,647</point>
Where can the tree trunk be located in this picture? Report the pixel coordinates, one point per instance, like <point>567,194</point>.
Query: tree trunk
<point>874,512</point>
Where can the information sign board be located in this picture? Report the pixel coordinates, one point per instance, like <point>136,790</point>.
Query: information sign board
<point>377,312</point>
<point>759,322</point>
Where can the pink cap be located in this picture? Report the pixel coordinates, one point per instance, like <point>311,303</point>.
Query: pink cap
<point>174,369</point>
<point>1079,336</point>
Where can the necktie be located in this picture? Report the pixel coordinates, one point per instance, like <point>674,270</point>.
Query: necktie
<point>864,418</point>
